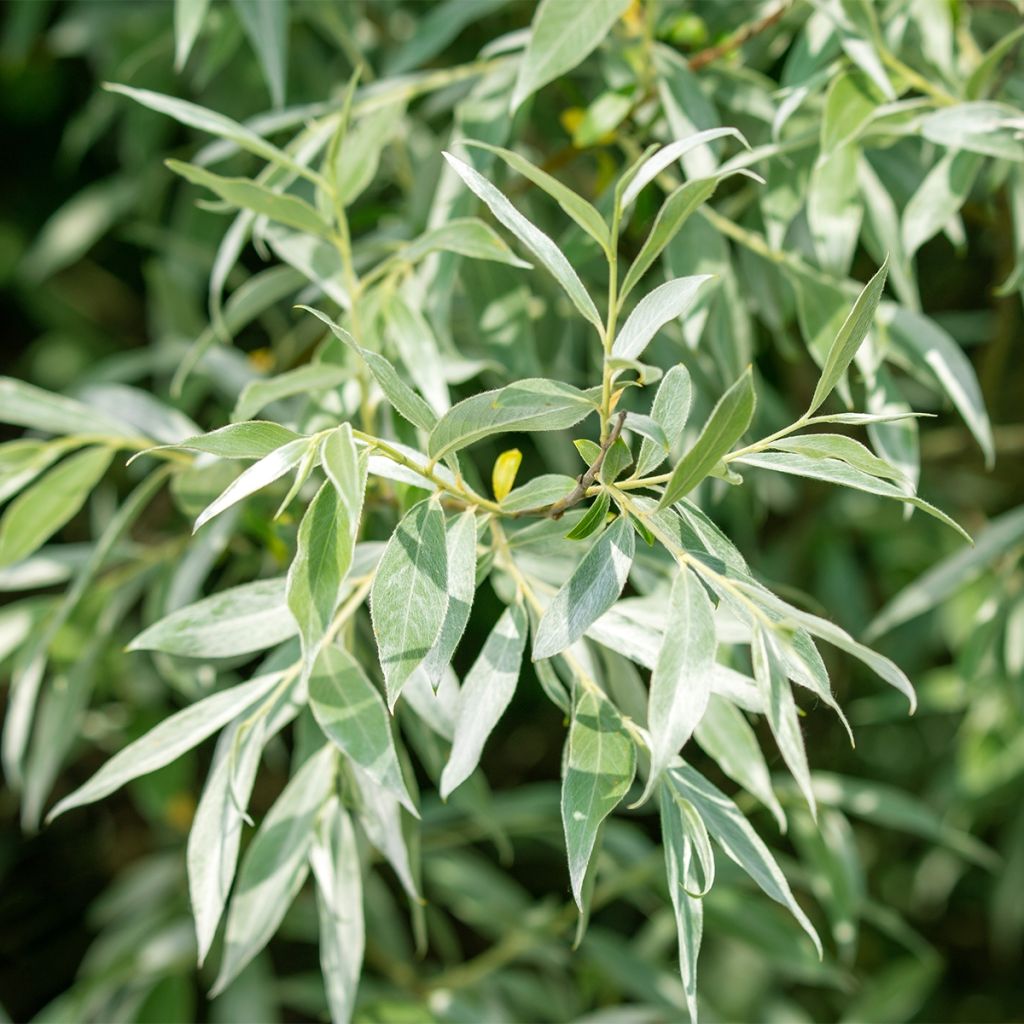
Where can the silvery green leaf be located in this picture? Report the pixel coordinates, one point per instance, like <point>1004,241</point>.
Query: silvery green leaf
<point>986,69</point>
<point>725,735</point>
<point>895,439</point>
<point>531,236</point>
<point>591,590</point>
<point>486,692</point>
<point>882,233</point>
<point>380,816</point>
<point>188,20</point>
<point>782,711</point>
<point>850,104</point>
<point>840,473</point>
<point>275,865</point>
<point>849,338</point>
<point>671,410</point>
<point>945,578</point>
<point>266,24</point>
<point>216,831</point>
<point>414,339</point>
<point>406,402</point>
<point>309,379</point>
<point>575,206</point>
<point>668,155</point>
<point>253,440</point>
<point>257,476</point>
<point>681,681</point>
<point>363,146</point>
<point>466,236</point>
<point>938,198</point>
<point>600,762</point>
<point>725,426</point>
<point>527,405</point>
<point>689,910</point>
<point>839,446</point>
<point>167,741</point>
<point>23,460</point>
<point>461,542</point>
<point>835,209</point>
<point>409,598</point>
<point>310,258</point>
<point>50,503</point>
<point>140,410</point>
<point>982,127</point>
<point>542,490</point>
<point>924,339</point>
<point>352,715</point>
<point>240,620</point>
<point>734,834</point>
<point>562,34</point>
<point>653,311</point>
<point>334,858</point>
<point>247,194</point>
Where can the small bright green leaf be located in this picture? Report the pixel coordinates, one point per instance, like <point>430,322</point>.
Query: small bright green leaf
<point>600,762</point>
<point>725,426</point>
<point>486,692</point>
<point>409,598</point>
<point>593,520</point>
<point>589,592</point>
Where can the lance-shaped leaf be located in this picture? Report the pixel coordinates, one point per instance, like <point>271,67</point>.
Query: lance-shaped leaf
<point>353,716</point>
<point>50,503</point>
<point>600,762</point>
<point>251,195</point>
<point>259,475</point>
<point>528,405</point>
<point>575,206</point>
<point>770,674</point>
<point>725,426</point>
<point>380,815</point>
<point>188,20</point>
<point>670,410</point>
<point>562,34</point>
<point>253,440</point>
<point>531,236</point>
<point>486,692</point>
<point>275,865</point>
<point>240,620</point>
<point>405,401</point>
<point>334,857</point>
<point>682,881</point>
<point>681,681</point>
<point>850,336</point>
<point>24,405</point>
<point>466,236</point>
<point>653,311</point>
<point>167,741</point>
<point>409,598</point>
<point>303,380</point>
<point>737,838</point>
<point>589,592</point>
<point>840,473</point>
<point>266,24</point>
<point>845,449</point>
<point>461,541</point>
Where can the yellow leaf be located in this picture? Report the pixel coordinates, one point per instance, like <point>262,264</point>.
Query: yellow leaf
<point>503,476</point>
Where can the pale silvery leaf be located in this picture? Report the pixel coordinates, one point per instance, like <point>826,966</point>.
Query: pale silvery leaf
<point>259,475</point>
<point>466,236</point>
<point>188,20</point>
<point>653,311</point>
<point>275,865</point>
<point>50,503</point>
<point>850,337</point>
<point>139,409</point>
<point>486,692</point>
<point>266,24</point>
<point>414,339</point>
<point>461,542</point>
<point>782,712</point>
<point>725,426</point>
<point>303,380</point>
<point>981,127</point>
<point>253,440</point>
<point>527,405</point>
<point>681,681</point>
<point>240,620</point>
<point>671,410</point>
<point>167,741</point>
<point>835,209</point>
<point>600,762</point>
<point>352,715</point>
<point>938,198</point>
<point>334,858</point>
<point>409,597</point>
<point>839,446</point>
<point>734,834</point>
<point>380,816</point>
<point>591,590</point>
<point>531,236</point>
<point>562,34</point>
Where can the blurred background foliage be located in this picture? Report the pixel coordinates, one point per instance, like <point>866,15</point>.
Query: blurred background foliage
<point>104,262</point>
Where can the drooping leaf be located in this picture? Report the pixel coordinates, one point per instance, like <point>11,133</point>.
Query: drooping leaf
<point>188,20</point>
<point>486,692</point>
<point>409,598</point>
<point>600,762</point>
<point>266,24</point>
<point>725,426</point>
<point>24,405</point>
<point>589,592</point>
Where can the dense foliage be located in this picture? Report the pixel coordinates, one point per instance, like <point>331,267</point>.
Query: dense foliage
<point>501,426</point>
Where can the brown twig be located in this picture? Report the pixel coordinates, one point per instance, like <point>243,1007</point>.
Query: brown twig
<point>703,58</point>
<point>560,507</point>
